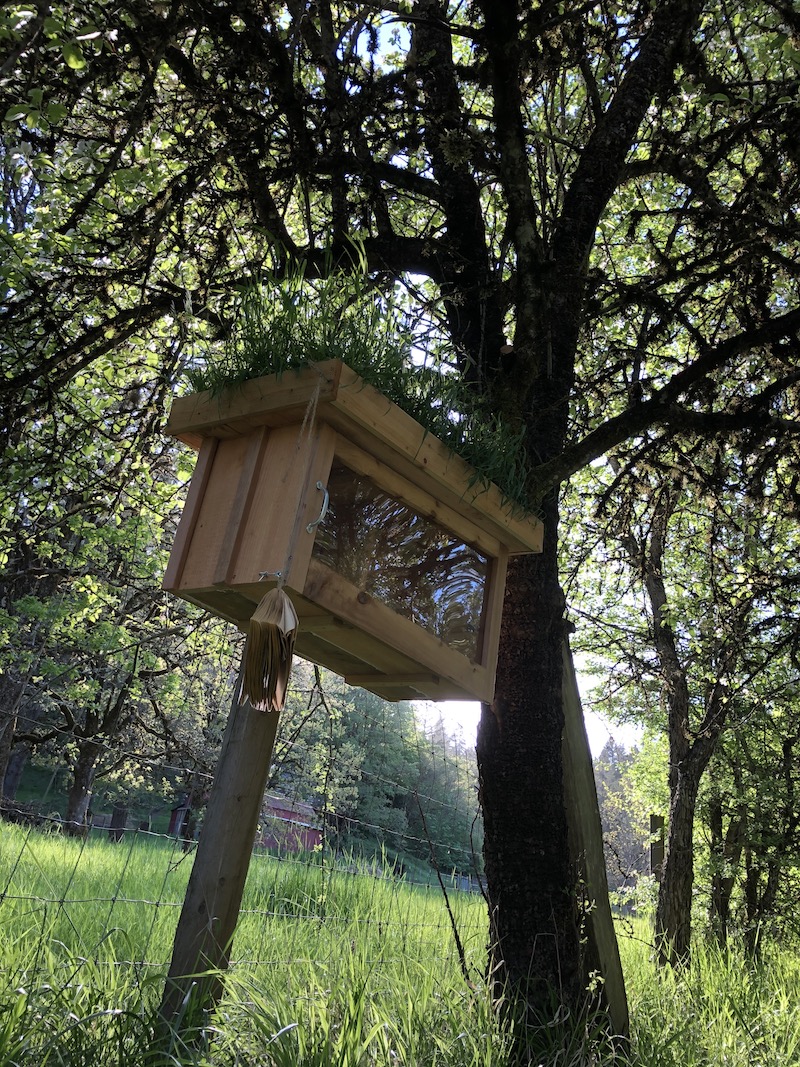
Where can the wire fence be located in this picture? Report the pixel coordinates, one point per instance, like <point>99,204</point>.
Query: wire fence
<point>384,865</point>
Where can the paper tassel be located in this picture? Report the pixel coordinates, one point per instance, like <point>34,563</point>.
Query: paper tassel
<point>268,654</point>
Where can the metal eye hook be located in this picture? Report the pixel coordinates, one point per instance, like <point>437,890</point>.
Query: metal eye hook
<point>325,502</point>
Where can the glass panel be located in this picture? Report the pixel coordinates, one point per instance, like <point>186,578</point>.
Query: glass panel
<point>415,567</point>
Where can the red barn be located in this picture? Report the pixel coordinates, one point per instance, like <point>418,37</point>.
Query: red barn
<point>289,826</point>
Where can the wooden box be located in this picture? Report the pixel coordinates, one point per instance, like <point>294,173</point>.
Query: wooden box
<point>399,588</point>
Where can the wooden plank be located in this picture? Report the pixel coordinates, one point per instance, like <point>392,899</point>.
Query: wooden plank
<point>493,614</point>
<point>369,648</point>
<point>273,535</point>
<point>586,848</point>
<point>257,444</point>
<point>326,638</point>
<point>314,648</point>
<point>322,624</point>
<point>396,434</point>
<point>225,603</point>
<point>274,400</point>
<point>392,693</point>
<point>388,681</point>
<point>213,898</point>
<point>333,593</point>
<point>349,652</point>
<point>211,527</point>
<point>368,419</point>
<point>191,512</point>
<point>337,645</point>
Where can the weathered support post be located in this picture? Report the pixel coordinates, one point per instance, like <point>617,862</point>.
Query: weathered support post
<point>213,897</point>
<point>586,843</point>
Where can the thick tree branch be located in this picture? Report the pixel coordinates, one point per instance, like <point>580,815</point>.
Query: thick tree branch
<point>663,404</point>
<point>504,47</point>
<point>603,158</point>
<point>474,312</point>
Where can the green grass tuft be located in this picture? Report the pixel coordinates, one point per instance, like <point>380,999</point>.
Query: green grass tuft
<point>291,322</point>
<point>722,1010</point>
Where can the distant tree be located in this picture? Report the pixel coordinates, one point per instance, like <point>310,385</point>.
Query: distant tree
<point>752,816</point>
<point>443,809</point>
<point>375,772</point>
<point>624,830</point>
<point>715,571</point>
<point>90,643</point>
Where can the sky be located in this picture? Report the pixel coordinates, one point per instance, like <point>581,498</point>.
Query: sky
<point>464,714</point>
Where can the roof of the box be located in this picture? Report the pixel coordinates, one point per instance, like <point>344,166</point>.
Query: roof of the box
<point>356,410</point>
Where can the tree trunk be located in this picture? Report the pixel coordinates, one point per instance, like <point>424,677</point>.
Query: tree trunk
<point>726,851</point>
<point>19,752</point>
<point>119,820</point>
<point>10,696</point>
<point>8,726</point>
<point>534,944</point>
<point>673,930</point>
<point>80,791</point>
<point>759,902</point>
<point>14,768</point>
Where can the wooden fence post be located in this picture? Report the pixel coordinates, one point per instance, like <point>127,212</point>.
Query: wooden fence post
<point>210,910</point>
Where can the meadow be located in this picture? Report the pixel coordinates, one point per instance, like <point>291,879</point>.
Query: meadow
<point>332,966</point>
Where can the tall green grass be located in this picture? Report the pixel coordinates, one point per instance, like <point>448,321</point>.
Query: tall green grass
<point>722,1010</point>
<point>330,967</point>
<point>293,321</point>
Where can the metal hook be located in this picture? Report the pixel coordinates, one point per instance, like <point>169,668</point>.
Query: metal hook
<point>325,502</point>
<point>263,575</point>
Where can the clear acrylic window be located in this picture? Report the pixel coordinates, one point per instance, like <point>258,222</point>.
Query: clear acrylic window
<point>417,568</point>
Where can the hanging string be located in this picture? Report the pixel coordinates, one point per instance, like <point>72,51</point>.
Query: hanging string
<point>305,434</point>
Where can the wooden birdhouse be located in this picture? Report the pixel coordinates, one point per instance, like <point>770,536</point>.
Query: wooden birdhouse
<point>391,548</point>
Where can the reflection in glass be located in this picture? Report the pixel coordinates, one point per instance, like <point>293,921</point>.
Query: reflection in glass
<point>412,565</point>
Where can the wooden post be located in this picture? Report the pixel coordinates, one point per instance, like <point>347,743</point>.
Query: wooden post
<point>586,844</point>
<point>210,910</point>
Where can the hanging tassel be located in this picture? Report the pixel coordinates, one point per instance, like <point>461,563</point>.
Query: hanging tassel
<point>268,654</point>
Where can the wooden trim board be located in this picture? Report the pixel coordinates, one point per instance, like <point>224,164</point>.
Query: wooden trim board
<point>369,617</point>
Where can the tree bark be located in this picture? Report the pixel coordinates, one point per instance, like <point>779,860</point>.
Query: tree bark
<point>11,693</point>
<point>14,768</point>
<point>534,943</point>
<point>8,725</point>
<point>726,851</point>
<point>674,909</point>
<point>80,791</point>
<point>760,895</point>
<point>689,749</point>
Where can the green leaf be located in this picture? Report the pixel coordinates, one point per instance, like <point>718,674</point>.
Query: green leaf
<point>52,27</point>
<point>55,112</point>
<point>73,54</point>
<point>16,112</point>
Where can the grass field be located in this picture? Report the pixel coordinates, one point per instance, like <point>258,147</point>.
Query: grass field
<point>331,968</point>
